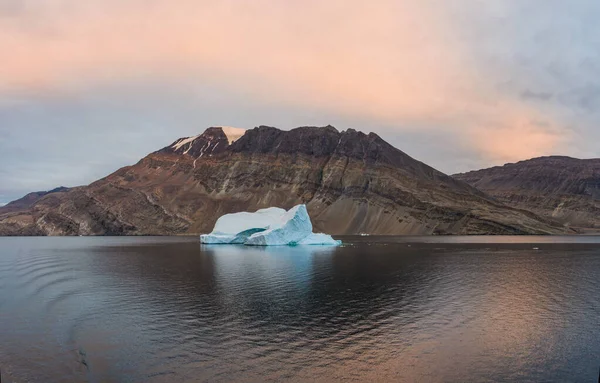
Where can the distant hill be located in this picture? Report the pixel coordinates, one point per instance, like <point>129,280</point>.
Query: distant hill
<point>351,182</point>
<point>28,200</point>
<point>562,188</point>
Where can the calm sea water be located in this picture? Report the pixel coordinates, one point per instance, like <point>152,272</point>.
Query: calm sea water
<point>409,309</point>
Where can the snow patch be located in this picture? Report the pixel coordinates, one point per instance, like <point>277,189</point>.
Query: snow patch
<point>233,134</point>
<point>267,227</point>
<point>204,149</point>
<point>184,141</point>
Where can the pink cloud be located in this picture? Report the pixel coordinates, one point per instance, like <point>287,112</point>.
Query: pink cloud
<point>400,63</point>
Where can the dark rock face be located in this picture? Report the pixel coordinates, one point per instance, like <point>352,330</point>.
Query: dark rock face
<point>562,188</point>
<point>351,183</point>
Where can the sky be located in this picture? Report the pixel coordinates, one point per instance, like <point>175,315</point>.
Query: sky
<point>88,86</point>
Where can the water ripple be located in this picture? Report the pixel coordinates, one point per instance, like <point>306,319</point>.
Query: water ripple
<point>152,311</point>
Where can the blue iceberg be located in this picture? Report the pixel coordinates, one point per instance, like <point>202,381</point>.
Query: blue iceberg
<point>268,227</point>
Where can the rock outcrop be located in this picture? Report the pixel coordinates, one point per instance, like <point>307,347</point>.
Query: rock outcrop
<point>351,183</point>
<point>559,188</point>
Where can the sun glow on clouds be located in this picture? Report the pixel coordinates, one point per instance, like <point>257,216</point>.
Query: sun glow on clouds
<point>399,63</point>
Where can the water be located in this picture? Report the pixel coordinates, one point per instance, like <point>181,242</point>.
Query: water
<point>435,309</point>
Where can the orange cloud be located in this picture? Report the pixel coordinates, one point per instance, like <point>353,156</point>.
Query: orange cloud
<point>396,62</point>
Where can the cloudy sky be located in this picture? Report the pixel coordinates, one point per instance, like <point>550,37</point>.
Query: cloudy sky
<point>88,86</point>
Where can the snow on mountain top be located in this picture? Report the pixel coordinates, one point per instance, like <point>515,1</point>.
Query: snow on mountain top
<point>184,141</point>
<point>232,133</point>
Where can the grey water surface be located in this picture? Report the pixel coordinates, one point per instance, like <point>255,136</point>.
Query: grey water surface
<point>377,309</point>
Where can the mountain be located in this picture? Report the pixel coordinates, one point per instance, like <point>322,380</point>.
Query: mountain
<point>351,183</point>
<point>562,188</point>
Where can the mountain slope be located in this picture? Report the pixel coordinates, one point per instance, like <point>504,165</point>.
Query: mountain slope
<point>562,188</point>
<point>351,182</point>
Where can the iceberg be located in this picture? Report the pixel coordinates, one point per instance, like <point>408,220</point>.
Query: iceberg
<point>268,227</point>
<point>319,239</point>
<point>237,227</point>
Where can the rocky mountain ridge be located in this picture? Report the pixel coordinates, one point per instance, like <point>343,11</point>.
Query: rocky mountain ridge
<point>557,187</point>
<point>351,183</point>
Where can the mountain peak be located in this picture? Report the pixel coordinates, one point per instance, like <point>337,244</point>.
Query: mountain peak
<point>318,141</point>
<point>233,134</point>
<point>212,141</point>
